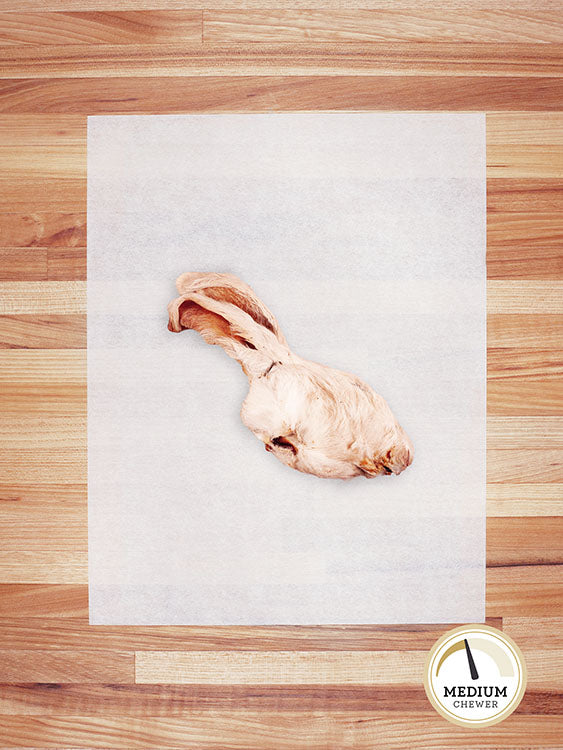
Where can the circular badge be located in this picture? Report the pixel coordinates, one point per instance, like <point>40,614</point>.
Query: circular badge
<point>475,676</point>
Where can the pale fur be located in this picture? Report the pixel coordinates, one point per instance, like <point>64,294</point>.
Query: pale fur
<point>313,418</point>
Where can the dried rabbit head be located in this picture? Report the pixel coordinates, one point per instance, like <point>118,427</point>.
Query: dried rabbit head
<point>313,418</point>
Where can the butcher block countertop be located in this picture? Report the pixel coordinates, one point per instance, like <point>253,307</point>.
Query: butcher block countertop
<point>64,683</point>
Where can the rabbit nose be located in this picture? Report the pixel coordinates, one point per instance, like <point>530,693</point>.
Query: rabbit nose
<point>402,455</point>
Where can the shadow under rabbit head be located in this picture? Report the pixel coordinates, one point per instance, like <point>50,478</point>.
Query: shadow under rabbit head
<point>311,417</point>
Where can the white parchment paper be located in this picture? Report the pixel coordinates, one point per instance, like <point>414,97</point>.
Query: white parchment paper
<point>365,235</point>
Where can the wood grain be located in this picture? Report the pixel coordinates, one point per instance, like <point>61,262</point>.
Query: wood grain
<point>272,730</point>
<point>177,700</point>
<point>521,398</point>
<point>42,230</point>
<point>535,632</point>
<point>123,95</point>
<point>38,600</point>
<point>320,667</point>
<point>46,633</point>
<point>42,331</point>
<point>278,668</point>
<point>427,24</point>
<point>65,665</point>
<point>134,27</point>
<point>504,500</point>
<point>521,432</point>
<point>532,60</point>
<point>407,5</point>
<point>510,195</point>
<point>524,599</point>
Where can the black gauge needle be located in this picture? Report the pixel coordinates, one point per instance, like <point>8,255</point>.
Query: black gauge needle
<point>472,667</point>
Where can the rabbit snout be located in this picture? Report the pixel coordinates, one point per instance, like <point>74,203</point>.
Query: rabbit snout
<point>393,461</point>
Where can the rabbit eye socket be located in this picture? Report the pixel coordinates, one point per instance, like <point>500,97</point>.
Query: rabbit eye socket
<point>283,442</point>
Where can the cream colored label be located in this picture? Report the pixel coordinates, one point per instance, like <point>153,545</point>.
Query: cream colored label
<point>475,676</point>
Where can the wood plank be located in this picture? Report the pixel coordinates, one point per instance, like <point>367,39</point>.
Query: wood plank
<point>55,131</point>
<point>134,27</point>
<point>49,633</point>
<point>42,332</point>
<point>525,128</point>
<point>54,566</point>
<point>43,264</point>
<point>424,24</point>
<point>512,397</point>
<point>398,58</point>
<point>44,600</point>
<point>42,464</point>
<point>524,500</point>
<point>524,574</point>
<point>23,264</point>
<point>535,632</point>
<point>119,5</point>
<point>515,466</point>
<point>38,298</point>
<point>30,194</point>
<point>45,534</point>
<point>67,400</point>
<point>525,296</point>
<point>318,668</point>
<point>46,147</point>
<point>66,264</point>
<point>524,364</point>
<point>523,261</point>
<point>518,231</point>
<point>506,599</point>
<point>507,194</point>
<point>528,330</point>
<point>42,368</point>
<point>45,495</point>
<point>43,382</point>
<point>64,665</point>
<point>519,432</point>
<point>42,230</point>
<point>263,730</point>
<point>279,668</point>
<point>524,541</point>
<point>545,668</point>
<point>177,700</point>
<point>280,93</point>
<point>525,161</point>
<point>66,434</point>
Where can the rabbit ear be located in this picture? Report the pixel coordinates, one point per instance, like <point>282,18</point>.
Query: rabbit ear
<point>221,321</point>
<point>225,287</point>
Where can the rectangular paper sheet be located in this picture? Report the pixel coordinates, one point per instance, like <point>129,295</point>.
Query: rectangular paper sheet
<point>364,233</point>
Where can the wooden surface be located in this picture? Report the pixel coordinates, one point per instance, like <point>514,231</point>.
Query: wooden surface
<point>66,684</point>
